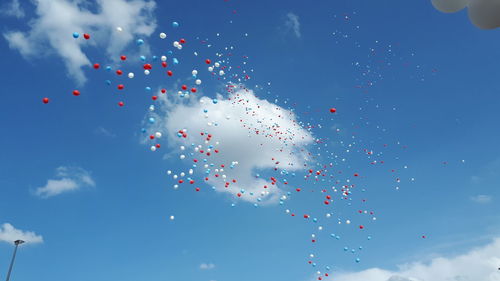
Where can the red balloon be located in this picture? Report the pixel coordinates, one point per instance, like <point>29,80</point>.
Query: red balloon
<point>96,66</point>
<point>207,61</point>
<point>164,63</point>
<point>123,57</point>
<point>120,103</point>
<point>120,87</point>
<point>361,227</point>
<point>154,97</point>
<point>170,73</point>
<point>76,93</point>
<point>163,91</point>
<point>333,110</point>
<point>182,41</point>
<point>119,72</point>
<point>184,87</point>
<point>147,66</point>
<point>193,90</point>
<point>86,36</point>
<point>45,100</point>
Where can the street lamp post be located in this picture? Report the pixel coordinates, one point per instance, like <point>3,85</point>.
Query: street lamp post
<point>17,243</point>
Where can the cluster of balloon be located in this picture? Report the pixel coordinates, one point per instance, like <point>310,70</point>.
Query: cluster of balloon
<point>327,175</point>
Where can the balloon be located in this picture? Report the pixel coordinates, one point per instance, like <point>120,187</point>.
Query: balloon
<point>119,72</point>
<point>76,93</point>
<point>119,29</point>
<point>96,66</point>
<point>207,61</point>
<point>76,35</point>
<point>449,6</point>
<point>86,36</point>
<point>123,57</point>
<point>182,41</point>
<point>333,110</point>
<point>175,24</point>
<point>131,75</point>
<point>197,82</point>
<point>45,100</point>
<point>193,90</point>
<point>120,87</point>
<point>139,42</point>
<point>170,73</point>
<point>163,35</point>
<point>120,103</point>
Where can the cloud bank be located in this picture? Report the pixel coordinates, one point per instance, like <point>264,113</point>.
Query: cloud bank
<point>254,133</point>
<point>484,14</point>
<point>480,264</point>
<point>67,179</point>
<point>56,20</point>
<point>9,234</point>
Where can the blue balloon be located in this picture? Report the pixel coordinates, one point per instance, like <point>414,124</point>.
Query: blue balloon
<point>148,89</point>
<point>175,24</point>
<point>152,120</point>
<point>143,58</point>
<point>76,35</point>
<point>358,260</point>
<point>139,42</point>
<point>215,101</point>
<point>108,82</point>
<point>155,58</point>
<point>108,68</point>
<point>175,61</point>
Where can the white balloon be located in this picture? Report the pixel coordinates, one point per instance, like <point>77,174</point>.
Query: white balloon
<point>147,72</point>
<point>194,72</point>
<point>119,29</point>
<point>131,75</point>
<point>197,82</point>
<point>221,72</point>
<point>210,69</point>
<point>176,44</point>
<point>449,6</point>
<point>153,148</point>
<point>158,135</point>
<point>163,58</point>
<point>172,218</point>
<point>217,64</point>
<point>163,35</point>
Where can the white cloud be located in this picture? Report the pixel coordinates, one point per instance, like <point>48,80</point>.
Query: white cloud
<point>67,179</point>
<point>485,14</point>
<point>259,135</point>
<point>104,132</point>
<point>478,264</point>
<point>293,24</point>
<point>481,198</point>
<point>10,234</point>
<point>207,266</point>
<point>13,9</point>
<point>51,31</point>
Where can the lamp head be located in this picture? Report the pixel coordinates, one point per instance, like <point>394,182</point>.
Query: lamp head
<point>18,242</point>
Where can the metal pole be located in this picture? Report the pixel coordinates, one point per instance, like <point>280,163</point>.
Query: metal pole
<point>17,243</point>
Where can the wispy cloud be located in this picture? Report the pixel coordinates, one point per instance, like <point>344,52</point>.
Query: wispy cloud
<point>13,9</point>
<point>56,20</point>
<point>66,179</point>
<point>104,132</point>
<point>478,264</point>
<point>207,266</point>
<point>292,23</point>
<point>481,199</point>
<point>9,234</point>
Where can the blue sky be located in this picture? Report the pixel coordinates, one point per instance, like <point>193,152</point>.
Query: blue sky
<point>404,75</point>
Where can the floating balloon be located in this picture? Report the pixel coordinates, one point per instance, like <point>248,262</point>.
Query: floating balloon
<point>76,93</point>
<point>76,35</point>
<point>86,36</point>
<point>45,100</point>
